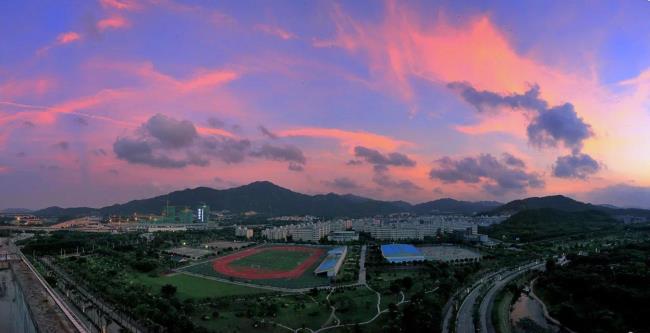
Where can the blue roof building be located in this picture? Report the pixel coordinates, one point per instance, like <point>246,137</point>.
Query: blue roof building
<point>399,253</point>
<point>332,263</point>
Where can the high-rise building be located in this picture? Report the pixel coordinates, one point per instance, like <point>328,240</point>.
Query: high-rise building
<point>203,213</point>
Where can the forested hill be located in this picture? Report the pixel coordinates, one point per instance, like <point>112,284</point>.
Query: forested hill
<point>536,224</point>
<point>564,204</point>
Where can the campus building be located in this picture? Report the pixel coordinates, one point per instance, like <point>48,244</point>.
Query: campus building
<point>392,228</point>
<point>343,236</point>
<point>203,213</point>
<point>333,262</point>
<point>241,231</point>
<point>305,232</point>
<point>413,227</point>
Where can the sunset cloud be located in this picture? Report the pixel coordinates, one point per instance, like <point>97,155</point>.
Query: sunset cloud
<point>347,138</point>
<point>68,37</point>
<point>494,176</point>
<point>61,39</point>
<point>119,4</point>
<point>114,22</point>
<point>403,101</point>
<point>275,31</point>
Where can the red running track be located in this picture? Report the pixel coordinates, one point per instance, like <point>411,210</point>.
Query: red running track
<point>222,265</point>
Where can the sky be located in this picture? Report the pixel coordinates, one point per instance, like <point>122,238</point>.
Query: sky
<point>103,102</point>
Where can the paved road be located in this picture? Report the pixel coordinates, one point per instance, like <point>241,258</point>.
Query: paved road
<point>485,310</point>
<point>465,315</point>
<point>464,319</point>
<point>362,266</point>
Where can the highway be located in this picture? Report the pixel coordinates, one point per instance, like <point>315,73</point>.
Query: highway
<point>485,309</point>
<point>465,314</point>
<point>464,319</point>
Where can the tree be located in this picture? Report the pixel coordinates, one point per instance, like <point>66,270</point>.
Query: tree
<point>550,265</point>
<point>394,288</point>
<point>407,283</point>
<point>168,290</point>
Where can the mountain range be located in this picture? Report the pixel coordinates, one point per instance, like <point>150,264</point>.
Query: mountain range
<point>269,199</point>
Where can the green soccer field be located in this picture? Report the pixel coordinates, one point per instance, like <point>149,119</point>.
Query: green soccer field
<point>273,260</point>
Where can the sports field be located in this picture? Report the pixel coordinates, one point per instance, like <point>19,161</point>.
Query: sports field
<point>287,266</point>
<point>269,262</point>
<point>273,260</point>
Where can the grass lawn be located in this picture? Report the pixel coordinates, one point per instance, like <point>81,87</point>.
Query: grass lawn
<point>273,260</point>
<point>300,310</point>
<point>292,310</point>
<point>188,286</point>
<point>363,305</point>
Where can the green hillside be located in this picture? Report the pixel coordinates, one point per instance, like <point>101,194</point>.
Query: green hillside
<point>536,224</point>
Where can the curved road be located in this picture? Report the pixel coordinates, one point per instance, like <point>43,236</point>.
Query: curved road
<point>485,310</point>
<point>465,315</point>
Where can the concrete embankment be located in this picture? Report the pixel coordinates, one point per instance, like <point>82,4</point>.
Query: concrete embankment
<point>15,316</point>
<point>45,313</point>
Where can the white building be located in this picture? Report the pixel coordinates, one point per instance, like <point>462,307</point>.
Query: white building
<point>390,228</point>
<point>305,232</point>
<point>241,231</point>
<point>343,236</point>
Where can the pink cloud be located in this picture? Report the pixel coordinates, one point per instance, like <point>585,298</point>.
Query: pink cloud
<point>511,123</point>
<point>348,138</point>
<point>213,131</point>
<point>275,31</point>
<point>120,4</point>
<point>114,22</point>
<point>115,106</point>
<point>18,88</point>
<point>68,37</point>
<point>404,46</point>
<point>208,79</point>
<point>61,39</point>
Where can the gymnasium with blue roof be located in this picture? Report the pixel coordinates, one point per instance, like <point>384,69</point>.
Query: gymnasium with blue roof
<point>400,253</point>
<point>332,263</point>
